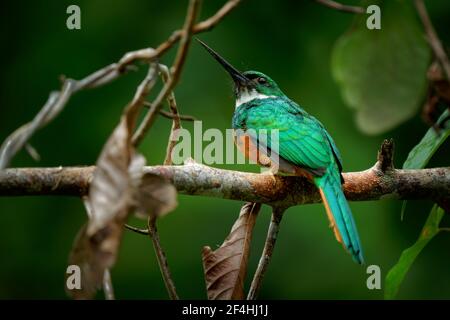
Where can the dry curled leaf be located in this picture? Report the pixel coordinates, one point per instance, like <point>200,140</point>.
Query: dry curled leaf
<point>119,167</point>
<point>153,195</point>
<point>110,191</point>
<point>108,205</point>
<point>93,255</point>
<point>225,268</point>
<point>118,187</point>
<point>156,196</point>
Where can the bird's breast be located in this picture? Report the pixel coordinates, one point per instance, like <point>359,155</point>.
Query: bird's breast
<point>259,154</point>
<point>250,149</point>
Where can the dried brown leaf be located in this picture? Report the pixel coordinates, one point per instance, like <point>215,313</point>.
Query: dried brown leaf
<point>226,267</point>
<point>118,187</point>
<point>110,191</point>
<point>108,206</point>
<point>119,168</point>
<point>156,196</point>
<point>93,255</point>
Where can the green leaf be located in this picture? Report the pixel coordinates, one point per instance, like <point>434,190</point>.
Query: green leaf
<point>398,272</point>
<point>419,156</point>
<point>382,73</point>
<point>403,210</point>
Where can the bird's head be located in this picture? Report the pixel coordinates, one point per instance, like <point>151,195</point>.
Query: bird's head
<point>248,85</point>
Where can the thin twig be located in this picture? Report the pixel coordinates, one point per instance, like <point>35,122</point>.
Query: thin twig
<point>183,117</point>
<point>205,25</point>
<point>211,22</point>
<point>137,230</point>
<point>194,6</point>
<point>135,105</point>
<point>107,286</point>
<point>341,7</point>
<point>176,123</point>
<point>58,99</point>
<point>34,154</point>
<point>269,245</point>
<point>54,105</point>
<point>433,38</point>
<point>161,257</point>
<point>171,116</point>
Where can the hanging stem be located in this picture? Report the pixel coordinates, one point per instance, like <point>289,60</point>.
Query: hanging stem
<point>271,238</point>
<point>161,257</point>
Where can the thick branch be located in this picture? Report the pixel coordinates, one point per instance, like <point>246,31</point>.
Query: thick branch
<point>197,179</point>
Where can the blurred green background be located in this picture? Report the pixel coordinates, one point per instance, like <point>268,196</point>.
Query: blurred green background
<point>289,40</point>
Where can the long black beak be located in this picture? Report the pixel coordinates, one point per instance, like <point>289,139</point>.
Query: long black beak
<point>237,76</point>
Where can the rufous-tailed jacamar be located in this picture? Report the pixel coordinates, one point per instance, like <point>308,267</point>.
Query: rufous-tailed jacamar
<point>304,147</point>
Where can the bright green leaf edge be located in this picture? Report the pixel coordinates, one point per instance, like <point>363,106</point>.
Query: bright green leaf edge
<point>398,272</point>
<point>421,154</point>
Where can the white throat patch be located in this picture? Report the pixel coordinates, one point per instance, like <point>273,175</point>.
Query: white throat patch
<point>249,96</point>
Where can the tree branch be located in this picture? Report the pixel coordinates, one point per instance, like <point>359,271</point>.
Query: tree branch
<point>197,179</point>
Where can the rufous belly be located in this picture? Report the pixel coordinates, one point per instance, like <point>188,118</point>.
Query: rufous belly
<point>259,155</point>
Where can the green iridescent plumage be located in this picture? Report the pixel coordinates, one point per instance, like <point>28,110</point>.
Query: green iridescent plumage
<point>313,150</point>
<point>303,144</point>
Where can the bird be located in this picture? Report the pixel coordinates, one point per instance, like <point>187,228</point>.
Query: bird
<point>304,147</point>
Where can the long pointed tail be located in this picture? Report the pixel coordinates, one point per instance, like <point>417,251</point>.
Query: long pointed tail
<point>339,213</point>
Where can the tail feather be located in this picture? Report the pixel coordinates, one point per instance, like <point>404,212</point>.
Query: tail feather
<point>339,213</point>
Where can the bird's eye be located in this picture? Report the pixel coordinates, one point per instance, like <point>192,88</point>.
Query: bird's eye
<point>261,80</point>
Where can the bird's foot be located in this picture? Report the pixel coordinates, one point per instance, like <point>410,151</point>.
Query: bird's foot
<point>269,172</point>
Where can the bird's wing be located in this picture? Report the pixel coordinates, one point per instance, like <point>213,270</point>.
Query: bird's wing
<point>302,139</point>
<point>336,153</point>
